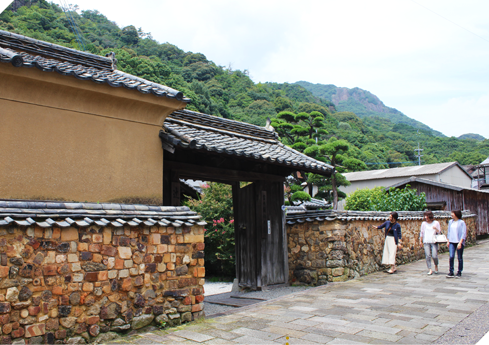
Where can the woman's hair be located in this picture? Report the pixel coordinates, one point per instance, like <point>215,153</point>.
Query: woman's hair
<point>394,215</point>
<point>458,214</point>
<point>429,215</point>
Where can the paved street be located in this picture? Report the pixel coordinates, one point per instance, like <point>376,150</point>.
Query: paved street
<point>409,307</point>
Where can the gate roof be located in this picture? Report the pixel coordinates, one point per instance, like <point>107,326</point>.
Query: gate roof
<point>197,131</point>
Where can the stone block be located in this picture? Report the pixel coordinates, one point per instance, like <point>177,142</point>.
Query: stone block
<point>72,258</point>
<point>88,287</point>
<point>188,238</point>
<point>161,248</point>
<point>103,275</point>
<point>107,232</point>
<point>201,272</point>
<point>108,250</point>
<point>94,247</point>
<point>155,238</point>
<point>97,238</point>
<point>69,234</point>
<point>124,252</point>
<point>82,247</point>
<point>35,330</point>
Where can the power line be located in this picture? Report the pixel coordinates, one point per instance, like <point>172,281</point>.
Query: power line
<point>72,22</point>
<point>392,162</point>
<point>451,21</point>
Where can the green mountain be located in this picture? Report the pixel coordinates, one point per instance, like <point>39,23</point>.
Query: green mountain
<point>472,136</point>
<point>379,136</point>
<point>361,102</point>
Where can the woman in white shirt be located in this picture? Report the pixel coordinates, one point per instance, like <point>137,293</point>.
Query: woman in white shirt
<point>429,228</point>
<point>457,233</point>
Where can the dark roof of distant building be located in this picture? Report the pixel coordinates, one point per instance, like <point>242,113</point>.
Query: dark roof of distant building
<point>22,51</point>
<point>192,130</point>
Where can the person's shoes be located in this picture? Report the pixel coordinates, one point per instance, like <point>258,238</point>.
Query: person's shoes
<point>459,275</point>
<point>450,275</point>
<point>430,272</point>
<point>436,270</point>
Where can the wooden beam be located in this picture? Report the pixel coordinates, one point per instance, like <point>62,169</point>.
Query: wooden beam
<point>198,172</point>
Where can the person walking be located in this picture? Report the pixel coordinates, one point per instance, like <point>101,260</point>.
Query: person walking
<point>393,238</point>
<point>429,228</point>
<point>457,233</point>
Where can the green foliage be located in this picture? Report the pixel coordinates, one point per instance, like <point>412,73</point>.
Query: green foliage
<point>216,208</point>
<point>300,195</point>
<point>380,199</point>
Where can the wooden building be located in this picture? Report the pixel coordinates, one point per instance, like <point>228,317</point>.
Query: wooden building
<point>447,197</point>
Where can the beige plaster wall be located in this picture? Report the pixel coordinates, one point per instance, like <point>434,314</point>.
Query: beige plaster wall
<point>64,138</point>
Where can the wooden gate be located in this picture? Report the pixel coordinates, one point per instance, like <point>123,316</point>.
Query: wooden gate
<point>261,244</point>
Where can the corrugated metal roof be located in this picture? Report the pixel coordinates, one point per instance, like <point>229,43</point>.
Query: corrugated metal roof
<point>417,170</point>
<point>486,162</point>
<point>437,184</point>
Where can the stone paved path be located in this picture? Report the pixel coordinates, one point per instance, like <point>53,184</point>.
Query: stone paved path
<point>409,307</point>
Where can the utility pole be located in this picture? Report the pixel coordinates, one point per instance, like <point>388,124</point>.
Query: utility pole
<point>419,155</point>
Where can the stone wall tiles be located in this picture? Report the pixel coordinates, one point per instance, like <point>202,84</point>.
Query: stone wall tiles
<point>57,284</point>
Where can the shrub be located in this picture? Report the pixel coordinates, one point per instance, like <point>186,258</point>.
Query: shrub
<point>216,208</point>
<point>380,199</point>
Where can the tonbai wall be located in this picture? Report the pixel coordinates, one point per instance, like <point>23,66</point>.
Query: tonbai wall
<point>329,246</point>
<point>83,270</point>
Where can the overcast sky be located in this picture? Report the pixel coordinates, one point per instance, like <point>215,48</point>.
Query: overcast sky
<point>433,69</point>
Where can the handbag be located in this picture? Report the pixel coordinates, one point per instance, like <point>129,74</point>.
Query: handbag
<point>440,238</point>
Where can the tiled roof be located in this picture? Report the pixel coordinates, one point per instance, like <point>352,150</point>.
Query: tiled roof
<point>313,203</point>
<point>192,130</point>
<point>66,214</point>
<point>416,170</point>
<point>300,214</point>
<point>28,52</point>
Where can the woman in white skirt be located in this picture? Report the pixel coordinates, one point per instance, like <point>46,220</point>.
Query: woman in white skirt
<point>429,228</point>
<point>393,238</point>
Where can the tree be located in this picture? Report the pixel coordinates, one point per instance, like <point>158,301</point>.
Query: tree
<point>334,149</point>
<point>130,35</point>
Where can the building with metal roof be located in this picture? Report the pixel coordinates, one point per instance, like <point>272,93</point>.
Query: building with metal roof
<point>451,173</point>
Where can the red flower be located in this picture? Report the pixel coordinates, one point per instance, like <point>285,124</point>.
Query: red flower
<point>231,221</point>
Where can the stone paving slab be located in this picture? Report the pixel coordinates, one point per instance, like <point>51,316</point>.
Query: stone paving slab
<point>405,308</point>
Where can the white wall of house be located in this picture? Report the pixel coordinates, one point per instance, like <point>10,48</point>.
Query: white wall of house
<point>456,177</point>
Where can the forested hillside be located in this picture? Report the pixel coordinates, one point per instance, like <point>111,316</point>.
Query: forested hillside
<point>379,141</point>
<point>361,102</point>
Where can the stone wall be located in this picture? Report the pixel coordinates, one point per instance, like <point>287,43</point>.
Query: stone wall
<point>341,249</point>
<point>61,283</point>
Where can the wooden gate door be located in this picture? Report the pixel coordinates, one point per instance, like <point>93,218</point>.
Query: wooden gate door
<point>261,243</point>
<point>274,255</point>
<point>246,236</point>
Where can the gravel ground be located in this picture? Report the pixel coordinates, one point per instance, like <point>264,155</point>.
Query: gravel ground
<point>216,288</point>
<point>212,289</point>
